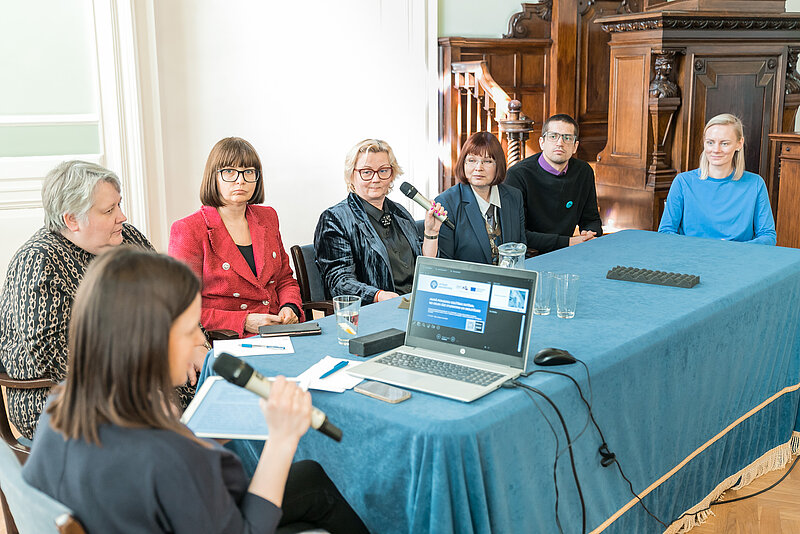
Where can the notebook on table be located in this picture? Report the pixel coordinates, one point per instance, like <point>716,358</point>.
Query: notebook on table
<point>468,331</point>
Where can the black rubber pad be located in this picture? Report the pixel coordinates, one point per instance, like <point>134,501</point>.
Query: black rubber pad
<point>647,276</point>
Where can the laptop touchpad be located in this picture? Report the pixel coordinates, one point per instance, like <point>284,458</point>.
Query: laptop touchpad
<point>406,377</point>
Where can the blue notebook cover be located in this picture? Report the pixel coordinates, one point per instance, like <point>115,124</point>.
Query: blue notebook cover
<point>223,410</point>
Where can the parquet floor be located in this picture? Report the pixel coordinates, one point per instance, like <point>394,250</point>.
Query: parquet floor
<point>775,512</point>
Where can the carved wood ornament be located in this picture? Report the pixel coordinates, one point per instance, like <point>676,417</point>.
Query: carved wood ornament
<point>664,102</point>
<point>517,24</point>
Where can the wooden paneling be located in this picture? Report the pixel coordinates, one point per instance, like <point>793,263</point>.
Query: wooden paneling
<point>554,59</point>
<point>744,87</point>
<point>719,62</point>
<point>788,221</point>
<point>629,94</point>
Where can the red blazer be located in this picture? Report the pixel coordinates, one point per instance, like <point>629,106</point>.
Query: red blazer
<point>230,291</point>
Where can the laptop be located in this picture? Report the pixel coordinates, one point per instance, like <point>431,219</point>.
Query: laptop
<point>468,331</point>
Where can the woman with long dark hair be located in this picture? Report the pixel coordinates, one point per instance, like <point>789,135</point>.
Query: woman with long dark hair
<point>110,445</point>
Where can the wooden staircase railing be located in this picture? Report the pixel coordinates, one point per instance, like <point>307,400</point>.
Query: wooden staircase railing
<point>482,105</point>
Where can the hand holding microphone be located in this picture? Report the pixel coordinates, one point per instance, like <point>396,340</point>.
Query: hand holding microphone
<point>288,410</point>
<point>243,375</point>
<point>411,192</point>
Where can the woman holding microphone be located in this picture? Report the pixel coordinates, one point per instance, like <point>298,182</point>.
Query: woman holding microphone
<point>111,447</point>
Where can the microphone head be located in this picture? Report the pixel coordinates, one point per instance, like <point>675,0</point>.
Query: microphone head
<point>408,190</point>
<point>233,369</point>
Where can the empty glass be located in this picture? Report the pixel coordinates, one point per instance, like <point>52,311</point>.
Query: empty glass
<point>566,295</point>
<point>544,292</point>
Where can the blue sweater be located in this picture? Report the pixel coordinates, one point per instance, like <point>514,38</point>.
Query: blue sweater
<point>719,208</point>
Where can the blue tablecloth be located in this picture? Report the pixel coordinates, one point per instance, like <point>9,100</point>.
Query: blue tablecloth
<point>671,368</point>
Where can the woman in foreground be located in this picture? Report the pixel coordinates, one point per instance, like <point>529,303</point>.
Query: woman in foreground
<point>110,445</point>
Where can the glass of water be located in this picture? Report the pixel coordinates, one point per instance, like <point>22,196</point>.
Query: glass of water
<point>566,295</point>
<point>544,292</point>
<point>347,308</point>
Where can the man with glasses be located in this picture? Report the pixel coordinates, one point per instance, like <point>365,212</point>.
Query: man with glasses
<point>558,190</point>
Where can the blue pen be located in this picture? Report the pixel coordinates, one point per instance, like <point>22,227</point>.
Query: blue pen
<point>250,346</point>
<point>335,368</point>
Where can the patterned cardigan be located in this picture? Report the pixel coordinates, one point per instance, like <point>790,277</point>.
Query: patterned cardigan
<point>351,256</point>
<point>35,309</point>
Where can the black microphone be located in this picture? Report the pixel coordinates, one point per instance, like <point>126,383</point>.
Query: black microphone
<point>243,375</point>
<point>411,192</point>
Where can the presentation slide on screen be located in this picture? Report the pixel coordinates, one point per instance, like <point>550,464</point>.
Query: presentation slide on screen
<point>452,303</point>
<point>513,299</point>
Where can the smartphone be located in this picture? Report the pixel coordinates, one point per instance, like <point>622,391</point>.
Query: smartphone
<point>382,391</point>
<point>297,329</point>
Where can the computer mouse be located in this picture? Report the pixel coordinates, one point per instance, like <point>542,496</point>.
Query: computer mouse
<point>553,356</point>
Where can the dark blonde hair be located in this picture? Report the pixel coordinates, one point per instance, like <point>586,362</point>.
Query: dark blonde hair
<point>482,144</point>
<point>230,152</point>
<point>119,344</point>
<point>364,147</point>
<point>725,119</point>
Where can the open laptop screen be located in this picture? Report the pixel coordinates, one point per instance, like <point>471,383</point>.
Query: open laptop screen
<point>477,311</point>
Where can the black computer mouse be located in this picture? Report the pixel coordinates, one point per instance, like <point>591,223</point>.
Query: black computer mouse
<point>553,356</point>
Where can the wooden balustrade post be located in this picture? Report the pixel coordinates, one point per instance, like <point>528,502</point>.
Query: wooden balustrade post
<point>516,127</point>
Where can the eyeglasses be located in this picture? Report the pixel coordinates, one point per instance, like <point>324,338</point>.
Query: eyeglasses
<point>384,173</point>
<point>473,161</point>
<point>553,136</point>
<point>231,175</point>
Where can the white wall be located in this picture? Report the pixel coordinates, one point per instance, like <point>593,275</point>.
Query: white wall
<point>303,82</point>
<point>476,18</point>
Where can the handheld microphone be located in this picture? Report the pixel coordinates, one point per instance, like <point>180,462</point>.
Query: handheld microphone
<point>243,375</point>
<point>411,192</point>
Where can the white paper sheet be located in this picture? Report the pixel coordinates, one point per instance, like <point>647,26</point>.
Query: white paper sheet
<point>338,382</point>
<point>259,346</point>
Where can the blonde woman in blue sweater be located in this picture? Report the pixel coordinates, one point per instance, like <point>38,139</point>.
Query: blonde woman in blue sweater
<point>720,200</point>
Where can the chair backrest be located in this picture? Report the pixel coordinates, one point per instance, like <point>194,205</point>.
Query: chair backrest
<point>33,511</point>
<point>308,277</point>
<point>6,434</point>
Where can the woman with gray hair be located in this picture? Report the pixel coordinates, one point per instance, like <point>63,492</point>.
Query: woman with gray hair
<point>367,245</point>
<point>83,216</point>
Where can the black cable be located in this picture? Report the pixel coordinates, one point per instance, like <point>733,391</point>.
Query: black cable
<point>719,502</point>
<point>569,446</point>
<point>608,457</point>
<point>555,460</point>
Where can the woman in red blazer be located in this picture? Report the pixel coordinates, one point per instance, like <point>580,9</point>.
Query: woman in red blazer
<point>234,246</point>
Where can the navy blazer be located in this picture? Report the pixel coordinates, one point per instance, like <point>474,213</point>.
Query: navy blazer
<point>351,256</point>
<point>470,241</point>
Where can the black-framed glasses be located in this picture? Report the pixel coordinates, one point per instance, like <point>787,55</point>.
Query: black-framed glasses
<point>384,173</point>
<point>231,175</point>
<point>567,138</point>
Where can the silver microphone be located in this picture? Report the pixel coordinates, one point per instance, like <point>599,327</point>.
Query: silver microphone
<point>411,192</point>
<point>243,375</point>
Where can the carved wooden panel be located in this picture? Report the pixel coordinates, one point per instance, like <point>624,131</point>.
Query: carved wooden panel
<point>788,220</point>
<point>594,59</point>
<point>629,94</point>
<point>742,86</point>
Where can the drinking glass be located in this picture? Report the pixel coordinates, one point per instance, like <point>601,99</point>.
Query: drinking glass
<point>566,295</point>
<point>544,292</point>
<point>347,308</point>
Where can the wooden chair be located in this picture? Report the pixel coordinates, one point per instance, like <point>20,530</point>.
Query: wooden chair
<point>312,290</point>
<point>27,509</point>
<point>22,450</point>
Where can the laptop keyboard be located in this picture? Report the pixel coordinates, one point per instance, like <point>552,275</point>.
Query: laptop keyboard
<point>429,366</point>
